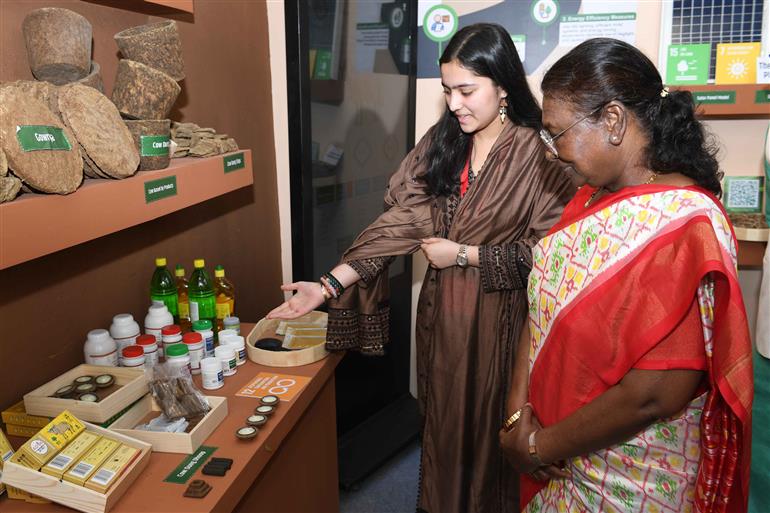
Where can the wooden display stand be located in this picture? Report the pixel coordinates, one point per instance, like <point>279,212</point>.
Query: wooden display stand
<point>290,466</point>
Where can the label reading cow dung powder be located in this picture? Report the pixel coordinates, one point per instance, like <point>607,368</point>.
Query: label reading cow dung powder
<point>155,145</point>
<point>42,137</point>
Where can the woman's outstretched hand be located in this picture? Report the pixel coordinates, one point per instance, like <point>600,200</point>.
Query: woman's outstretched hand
<point>308,297</point>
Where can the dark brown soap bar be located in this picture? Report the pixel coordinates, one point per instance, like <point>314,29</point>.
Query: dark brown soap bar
<point>197,489</point>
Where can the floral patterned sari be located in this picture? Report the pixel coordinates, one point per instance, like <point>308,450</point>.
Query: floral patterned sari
<point>645,279</point>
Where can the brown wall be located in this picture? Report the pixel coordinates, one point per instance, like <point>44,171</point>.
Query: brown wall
<point>48,305</point>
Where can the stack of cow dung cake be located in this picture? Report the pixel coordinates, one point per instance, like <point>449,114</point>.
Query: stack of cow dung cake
<point>59,47</point>
<point>106,144</point>
<point>146,87</point>
<point>40,150</point>
<point>194,141</point>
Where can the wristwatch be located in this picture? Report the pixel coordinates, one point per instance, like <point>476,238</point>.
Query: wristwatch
<point>462,256</point>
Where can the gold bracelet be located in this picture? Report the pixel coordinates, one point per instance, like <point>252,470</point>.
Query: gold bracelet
<point>512,420</point>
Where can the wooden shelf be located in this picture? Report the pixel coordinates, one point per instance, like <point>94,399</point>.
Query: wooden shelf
<point>180,5</point>
<point>731,101</point>
<point>34,225</point>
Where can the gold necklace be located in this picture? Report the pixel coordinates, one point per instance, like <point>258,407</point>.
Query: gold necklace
<point>651,179</point>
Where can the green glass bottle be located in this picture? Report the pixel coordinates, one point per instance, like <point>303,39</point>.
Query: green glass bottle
<point>163,287</point>
<point>203,301</point>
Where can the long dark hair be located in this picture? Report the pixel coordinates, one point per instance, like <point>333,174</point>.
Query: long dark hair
<point>487,50</point>
<point>600,70</point>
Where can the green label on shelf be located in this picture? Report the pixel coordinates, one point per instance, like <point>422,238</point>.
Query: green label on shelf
<point>155,145</point>
<point>714,97</point>
<point>763,96</point>
<point>189,465</point>
<point>41,137</point>
<point>159,189</point>
<point>233,162</point>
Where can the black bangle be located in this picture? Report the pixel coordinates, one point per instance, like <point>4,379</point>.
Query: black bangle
<point>335,283</point>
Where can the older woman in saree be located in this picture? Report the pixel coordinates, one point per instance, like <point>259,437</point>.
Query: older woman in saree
<point>633,382</point>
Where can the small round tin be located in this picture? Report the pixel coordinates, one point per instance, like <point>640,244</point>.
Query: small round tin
<point>246,432</point>
<point>256,420</point>
<point>269,400</point>
<point>89,398</point>
<point>264,410</point>
<point>64,391</point>
<point>81,380</point>
<point>85,388</point>
<point>104,380</point>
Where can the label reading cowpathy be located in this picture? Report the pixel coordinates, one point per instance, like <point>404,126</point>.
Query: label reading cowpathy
<point>42,137</point>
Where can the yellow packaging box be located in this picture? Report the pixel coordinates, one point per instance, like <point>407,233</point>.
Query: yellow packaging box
<point>74,451</point>
<point>81,471</point>
<point>52,438</point>
<point>17,415</point>
<point>21,431</point>
<point>111,470</point>
<point>6,451</point>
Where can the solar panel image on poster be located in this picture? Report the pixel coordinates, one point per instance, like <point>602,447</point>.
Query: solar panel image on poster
<point>716,21</point>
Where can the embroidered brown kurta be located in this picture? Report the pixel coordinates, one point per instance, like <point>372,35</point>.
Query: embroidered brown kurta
<point>468,320</point>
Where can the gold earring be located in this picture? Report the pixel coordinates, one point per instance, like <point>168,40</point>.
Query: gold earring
<point>502,114</point>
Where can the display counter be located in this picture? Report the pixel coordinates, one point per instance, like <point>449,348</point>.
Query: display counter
<point>290,466</point>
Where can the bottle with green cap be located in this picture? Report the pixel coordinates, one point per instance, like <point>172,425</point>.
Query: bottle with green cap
<point>225,292</point>
<point>163,287</point>
<point>182,287</point>
<point>203,301</point>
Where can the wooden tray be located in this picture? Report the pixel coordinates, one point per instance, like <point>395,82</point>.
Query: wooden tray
<point>266,328</point>
<point>185,443</point>
<point>131,383</point>
<point>72,495</point>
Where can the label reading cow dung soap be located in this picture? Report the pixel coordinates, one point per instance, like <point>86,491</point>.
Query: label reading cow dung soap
<point>155,145</point>
<point>41,137</point>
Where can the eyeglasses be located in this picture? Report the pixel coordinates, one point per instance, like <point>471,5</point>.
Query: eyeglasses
<point>548,139</point>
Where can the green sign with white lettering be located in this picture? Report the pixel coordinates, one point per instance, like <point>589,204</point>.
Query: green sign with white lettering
<point>189,465</point>
<point>155,190</point>
<point>234,161</point>
<point>42,137</point>
<point>763,96</point>
<point>714,97</point>
<point>688,64</point>
<point>155,145</point>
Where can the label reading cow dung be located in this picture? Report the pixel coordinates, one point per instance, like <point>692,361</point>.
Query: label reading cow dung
<point>155,145</point>
<point>42,137</point>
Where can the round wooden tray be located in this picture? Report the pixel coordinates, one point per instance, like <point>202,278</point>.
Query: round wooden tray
<point>266,328</point>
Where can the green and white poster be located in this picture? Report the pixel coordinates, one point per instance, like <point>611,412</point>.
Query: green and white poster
<point>688,64</point>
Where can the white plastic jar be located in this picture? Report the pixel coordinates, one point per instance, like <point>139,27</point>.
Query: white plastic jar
<point>178,355</point>
<point>171,334</point>
<point>221,334</point>
<point>150,347</point>
<point>195,346</point>
<point>211,374</point>
<point>203,326</point>
<point>227,358</point>
<point>158,316</point>
<point>232,323</point>
<point>124,330</point>
<point>239,345</point>
<point>100,349</point>
<point>132,356</point>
